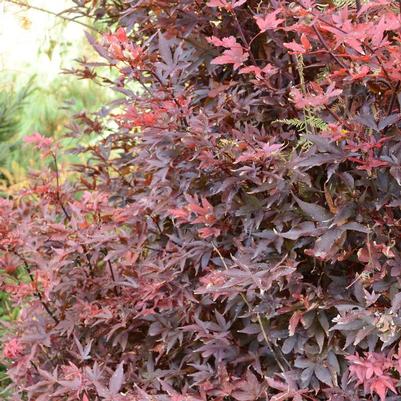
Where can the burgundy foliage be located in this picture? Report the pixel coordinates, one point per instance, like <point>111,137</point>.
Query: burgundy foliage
<point>235,232</point>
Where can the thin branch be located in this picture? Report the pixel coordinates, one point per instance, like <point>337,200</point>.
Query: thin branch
<point>336,117</point>
<point>322,41</point>
<point>113,277</point>
<point>157,249</point>
<point>241,32</point>
<point>256,36</point>
<point>37,292</point>
<point>88,260</point>
<point>157,224</point>
<point>68,217</point>
<point>393,97</point>
<point>43,10</point>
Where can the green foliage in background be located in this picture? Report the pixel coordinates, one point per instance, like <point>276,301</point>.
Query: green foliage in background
<point>29,108</point>
<point>12,102</point>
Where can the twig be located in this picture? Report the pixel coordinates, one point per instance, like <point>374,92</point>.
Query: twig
<point>43,10</point>
<point>157,224</point>
<point>37,292</point>
<point>322,41</point>
<point>113,277</point>
<point>156,249</point>
<point>241,32</point>
<point>68,217</point>
<point>393,96</point>
<point>336,117</point>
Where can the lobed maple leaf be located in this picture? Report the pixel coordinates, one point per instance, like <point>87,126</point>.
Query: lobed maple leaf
<point>229,6</point>
<point>267,71</point>
<point>269,21</point>
<point>227,42</point>
<point>381,385</point>
<point>369,163</point>
<point>373,372</point>
<point>181,215</point>
<point>388,22</point>
<point>234,53</point>
<point>297,48</point>
<point>302,100</point>
<point>235,56</point>
<point>348,34</point>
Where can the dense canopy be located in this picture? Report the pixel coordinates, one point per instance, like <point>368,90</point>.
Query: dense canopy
<point>234,231</point>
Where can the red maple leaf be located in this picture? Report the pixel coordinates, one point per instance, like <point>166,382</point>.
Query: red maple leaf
<point>267,70</point>
<point>269,21</point>
<point>227,42</point>
<point>235,56</point>
<point>371,372</point>
<point>297,48</point>
<point>266,151</point>
<point>314,100</point>
<point>205,212</point>
<point>234,53</point>
<point>121,35</point>
<point>381,385</point>
<point>225,4</point>
<point>368,164</point>
<point>387,22</point>
<point>182,215</point>
<point>348,34</point>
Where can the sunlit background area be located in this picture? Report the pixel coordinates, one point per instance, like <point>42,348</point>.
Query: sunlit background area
<point>36,40</point>
<point>37,43</point>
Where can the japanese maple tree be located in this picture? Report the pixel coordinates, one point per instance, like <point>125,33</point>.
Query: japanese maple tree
<point>235,231</point>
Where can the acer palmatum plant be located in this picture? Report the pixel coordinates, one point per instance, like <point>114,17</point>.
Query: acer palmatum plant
<point>234,234</point>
